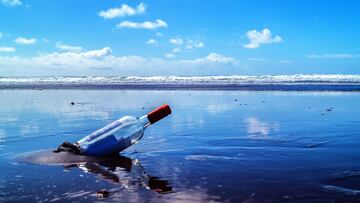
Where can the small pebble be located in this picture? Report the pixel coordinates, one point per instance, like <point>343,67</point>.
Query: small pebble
<point>72,103</point>
<point>329,109</point>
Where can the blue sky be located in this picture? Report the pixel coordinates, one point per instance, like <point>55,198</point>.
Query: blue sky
<point>197,37</point>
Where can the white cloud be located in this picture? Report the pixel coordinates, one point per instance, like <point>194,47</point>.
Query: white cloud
<point>190,44</point>
<point>328,56</point>
<point>97,53</point>
<point>45,40</point>
<point>159,34</point>
<point>169,55</point>
<point>11,3</point>
<point>213,58</point>
<point>144,25</point>
<point>257,38</point>
<point>67,47</point>
<point>72,60</point>
<point>198,45</point>
<point>123,10</point>
<point>103,62</point>
<point>151,42</point>
<point>7,49</point>
<point>187,44</point>
<point>176,41</point>
<point>25,41</point>
<point>176,50</point>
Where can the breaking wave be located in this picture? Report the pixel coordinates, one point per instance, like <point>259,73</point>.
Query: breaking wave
<point>262,82</point>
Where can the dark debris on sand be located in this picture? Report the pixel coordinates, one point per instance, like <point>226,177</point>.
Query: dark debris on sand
<point>102,193</point>
<point>330,109</point>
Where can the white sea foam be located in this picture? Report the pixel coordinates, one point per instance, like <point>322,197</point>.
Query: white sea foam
<point>342,189</point>
<point>233,79</point>
<point>208,157</point>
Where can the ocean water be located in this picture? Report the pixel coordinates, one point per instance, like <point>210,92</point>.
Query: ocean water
<point>216,146</point>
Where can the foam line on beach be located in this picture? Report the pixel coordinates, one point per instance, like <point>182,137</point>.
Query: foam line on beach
<point>234,82</point>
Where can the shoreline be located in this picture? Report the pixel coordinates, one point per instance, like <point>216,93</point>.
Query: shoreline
<point>342,87</point>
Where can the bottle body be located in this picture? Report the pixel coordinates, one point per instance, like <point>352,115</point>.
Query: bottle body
<point>114,137</point>
<point>119,134</point>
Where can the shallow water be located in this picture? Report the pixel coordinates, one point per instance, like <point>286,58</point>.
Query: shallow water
<point>221,146</point>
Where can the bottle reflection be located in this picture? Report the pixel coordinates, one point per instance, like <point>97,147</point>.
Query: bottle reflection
<point>123,170</point>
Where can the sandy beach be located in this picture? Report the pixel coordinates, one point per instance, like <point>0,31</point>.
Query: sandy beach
<point>216,146</point>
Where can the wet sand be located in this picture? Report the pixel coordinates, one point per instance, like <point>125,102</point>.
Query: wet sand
<point>225,146</point>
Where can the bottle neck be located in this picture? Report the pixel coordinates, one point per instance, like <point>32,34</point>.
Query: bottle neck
<point>144,121</point>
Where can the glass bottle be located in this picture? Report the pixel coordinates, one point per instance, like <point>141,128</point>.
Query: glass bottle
<point>120,134</point>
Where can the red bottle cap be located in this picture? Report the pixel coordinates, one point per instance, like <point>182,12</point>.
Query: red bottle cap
<point>159,113</point>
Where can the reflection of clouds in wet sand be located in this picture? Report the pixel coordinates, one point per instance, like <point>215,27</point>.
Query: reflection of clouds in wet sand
<point>2,136</point>
<point>216,108</point>
<point>8,119</point>
<point>197,194</point>
<point>72,119</point>
<point>30,129</point>
<point>260,129</point>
